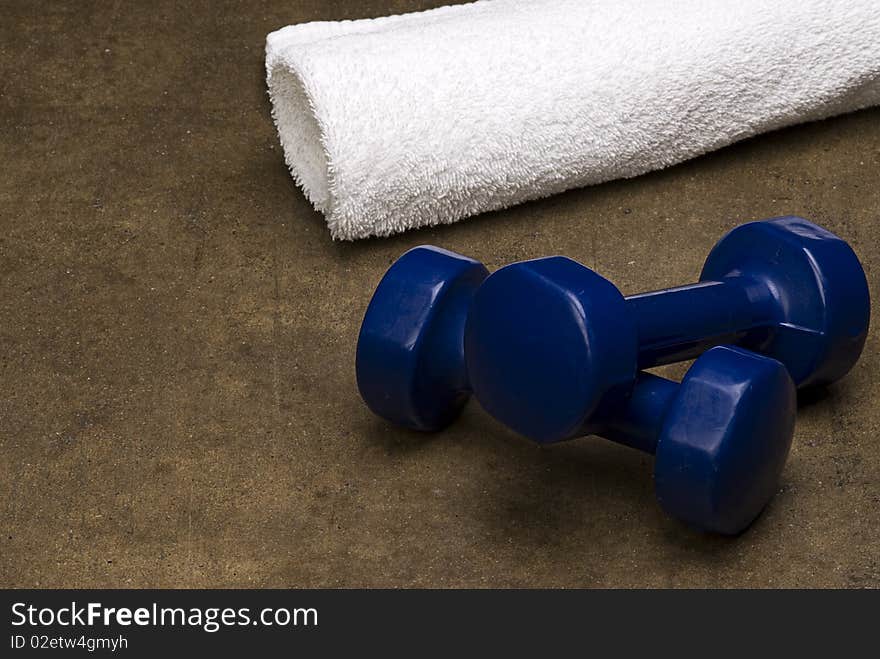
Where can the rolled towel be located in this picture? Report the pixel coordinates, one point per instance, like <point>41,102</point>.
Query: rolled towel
<point>426,118</point>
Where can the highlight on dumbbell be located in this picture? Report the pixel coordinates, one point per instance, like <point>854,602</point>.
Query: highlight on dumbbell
<point>549,341</point>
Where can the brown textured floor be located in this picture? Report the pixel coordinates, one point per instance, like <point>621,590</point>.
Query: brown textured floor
<point>177,397</point>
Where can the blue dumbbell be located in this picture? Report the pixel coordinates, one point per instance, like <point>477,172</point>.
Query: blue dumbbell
<point>549,343</point>
<point>720,438</point>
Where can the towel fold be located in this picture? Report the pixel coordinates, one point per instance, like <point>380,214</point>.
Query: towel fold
<point>426,118</point>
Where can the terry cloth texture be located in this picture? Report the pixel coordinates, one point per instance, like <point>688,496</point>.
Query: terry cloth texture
<point>426,118</point>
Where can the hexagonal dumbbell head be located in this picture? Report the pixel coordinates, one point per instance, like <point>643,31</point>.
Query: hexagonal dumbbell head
<point>546,342</point>
<point>818,292</point>
<point>410,356</point>
<point>724,440</point>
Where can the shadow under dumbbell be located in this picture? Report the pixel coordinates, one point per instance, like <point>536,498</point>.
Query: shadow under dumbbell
<point>535,496</point>
<point>595,498</point>
<point>394,440</point>
<point>817,395</point>
<point>515,492</point>
<point>587,488</point>
<point>541,495</point>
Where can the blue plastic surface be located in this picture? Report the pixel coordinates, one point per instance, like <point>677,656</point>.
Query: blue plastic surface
<point>723,444</point>
<point>818,289</point>
<point>545,342</point>
<point>410,357</point>
<point>783,287</point>
<point>549,343</point>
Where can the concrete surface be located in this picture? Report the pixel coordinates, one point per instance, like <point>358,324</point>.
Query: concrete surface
<point>177,399</point>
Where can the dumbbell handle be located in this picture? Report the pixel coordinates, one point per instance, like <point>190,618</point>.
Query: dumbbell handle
<point>680,323</point>
<point>639,422</point>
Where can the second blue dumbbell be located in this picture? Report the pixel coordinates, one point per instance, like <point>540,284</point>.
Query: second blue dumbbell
<point>549,341</point>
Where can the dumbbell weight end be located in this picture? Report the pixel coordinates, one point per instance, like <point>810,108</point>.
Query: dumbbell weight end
<point>783,287</point>
<point>720,438</point>
<point>410,363</point>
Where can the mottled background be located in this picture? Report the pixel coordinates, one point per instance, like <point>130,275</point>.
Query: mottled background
<point>177,334</point>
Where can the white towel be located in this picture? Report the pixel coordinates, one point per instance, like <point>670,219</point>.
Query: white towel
<point>426,118</point>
